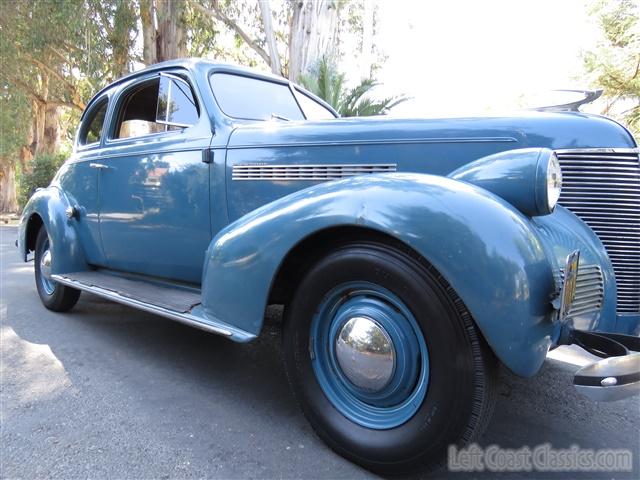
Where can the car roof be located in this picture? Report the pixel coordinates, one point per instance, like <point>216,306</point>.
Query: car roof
<point>192,64</point>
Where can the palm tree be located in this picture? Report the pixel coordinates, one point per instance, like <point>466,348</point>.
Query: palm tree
<point>329,84</point>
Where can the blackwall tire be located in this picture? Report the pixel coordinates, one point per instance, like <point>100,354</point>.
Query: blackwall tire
<point>54,296</point>
<point>398,293</point>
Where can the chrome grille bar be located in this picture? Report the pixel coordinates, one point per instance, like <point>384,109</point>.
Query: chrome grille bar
<point>589,289</point>
<point>299,172</point>
<point>602,187</point>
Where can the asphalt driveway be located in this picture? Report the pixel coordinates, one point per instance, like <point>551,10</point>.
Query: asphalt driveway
<point>108,391</point>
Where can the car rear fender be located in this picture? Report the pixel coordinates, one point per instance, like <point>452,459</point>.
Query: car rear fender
<point>48,206</point>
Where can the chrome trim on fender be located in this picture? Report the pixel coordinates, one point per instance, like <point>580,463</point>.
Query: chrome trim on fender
<point>312,172</point>
<point>185,318</point>
<point>589,293</point>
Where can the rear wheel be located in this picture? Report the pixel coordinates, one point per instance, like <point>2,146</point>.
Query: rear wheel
<point>54,296</point>
<point>385,360</point>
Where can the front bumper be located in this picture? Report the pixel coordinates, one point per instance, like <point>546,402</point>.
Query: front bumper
<point>615,377</point>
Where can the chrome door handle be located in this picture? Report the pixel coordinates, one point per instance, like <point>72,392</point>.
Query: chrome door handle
<point>101,166</point>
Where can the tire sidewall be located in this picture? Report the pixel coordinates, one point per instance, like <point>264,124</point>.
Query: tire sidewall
<point>63,297</point>
<point>444,413</point>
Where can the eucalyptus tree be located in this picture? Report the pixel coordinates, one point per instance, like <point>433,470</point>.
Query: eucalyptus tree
<point>288,36</point>
<point>614,65</point>
<point>55,55</point>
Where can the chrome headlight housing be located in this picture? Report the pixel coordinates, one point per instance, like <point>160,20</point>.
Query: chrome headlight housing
<point>554,181</point>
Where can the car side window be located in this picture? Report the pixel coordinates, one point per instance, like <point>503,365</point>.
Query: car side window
<point>91,131</point>
<point>139,111</point>
<point>251,98</point>
<point>176,105</point>
<point>312,110</point>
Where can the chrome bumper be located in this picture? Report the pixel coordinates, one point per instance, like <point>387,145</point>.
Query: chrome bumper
<point>615,377</point>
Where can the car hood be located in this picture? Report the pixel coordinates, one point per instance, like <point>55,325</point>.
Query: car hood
<point>520,130</point>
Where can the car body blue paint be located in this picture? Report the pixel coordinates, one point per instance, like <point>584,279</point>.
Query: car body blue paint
<point>67,250</point>
<point>526,171</point>
<point>466,232</point>
<point>435,146</point>
<point>499,261</point>
<point>629,324</point>
<point>562,233</point>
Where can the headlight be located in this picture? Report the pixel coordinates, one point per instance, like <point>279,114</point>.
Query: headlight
<point>554,181</point>
<point>529,178</point>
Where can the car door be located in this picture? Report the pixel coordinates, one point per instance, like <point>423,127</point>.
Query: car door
<point>78,178</point>
<point>154,185</point>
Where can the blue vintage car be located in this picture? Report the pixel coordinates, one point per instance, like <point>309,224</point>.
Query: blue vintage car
<point>413,257</point>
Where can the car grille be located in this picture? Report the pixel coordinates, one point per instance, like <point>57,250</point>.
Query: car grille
<point>589,290</point>
<point>602,187</point>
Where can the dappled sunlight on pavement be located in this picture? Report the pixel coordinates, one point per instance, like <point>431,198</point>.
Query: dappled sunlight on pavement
<point>35,373</point>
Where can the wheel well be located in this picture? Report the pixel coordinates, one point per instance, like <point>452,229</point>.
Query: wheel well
<point>311,249</point>
<point>33,227</point>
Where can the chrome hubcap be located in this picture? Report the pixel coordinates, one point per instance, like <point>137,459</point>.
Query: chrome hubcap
<point>369,355</point>
<point>365,354</point>
<point>45,264</point>
<point>45,271</point>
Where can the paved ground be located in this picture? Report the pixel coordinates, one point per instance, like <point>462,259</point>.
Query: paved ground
<point>107,391</point>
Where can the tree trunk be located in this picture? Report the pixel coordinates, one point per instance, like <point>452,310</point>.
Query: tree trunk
<point>51,130</point>
<point>313,32</point>
<point>265,12</point>
<point>367,41</point>
<point>8,200</point>
<point>37,128</point>
<point>170,36</point>
<point>24,158</point>
<point>147,16</point>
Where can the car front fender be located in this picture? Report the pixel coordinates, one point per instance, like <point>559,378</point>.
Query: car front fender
<point>50,204</point>
<point>487,251</point>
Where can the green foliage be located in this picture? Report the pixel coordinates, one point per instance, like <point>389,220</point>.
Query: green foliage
<point>615,63</point>
<point>43,168</point>
<point>329,84</point>
<point>202,32</point>
<point>14,121</point>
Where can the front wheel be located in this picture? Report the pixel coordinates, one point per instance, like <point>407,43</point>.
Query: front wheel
<point>54,296</point>
<point>385,360</point>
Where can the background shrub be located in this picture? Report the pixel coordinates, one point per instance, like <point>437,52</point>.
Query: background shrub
<point>43,168</point>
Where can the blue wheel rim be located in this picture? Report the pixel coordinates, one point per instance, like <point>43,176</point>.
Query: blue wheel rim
<point>401,398</point>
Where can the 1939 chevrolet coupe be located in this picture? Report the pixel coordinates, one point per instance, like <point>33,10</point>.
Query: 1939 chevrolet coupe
<point>412,257</point>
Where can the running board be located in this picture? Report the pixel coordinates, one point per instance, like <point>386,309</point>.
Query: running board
<point>194,317</point>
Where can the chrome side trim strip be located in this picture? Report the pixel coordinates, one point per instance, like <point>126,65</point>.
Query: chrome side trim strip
<point>185,318</point>
<point>379,141</point>
<point>597,150</point>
